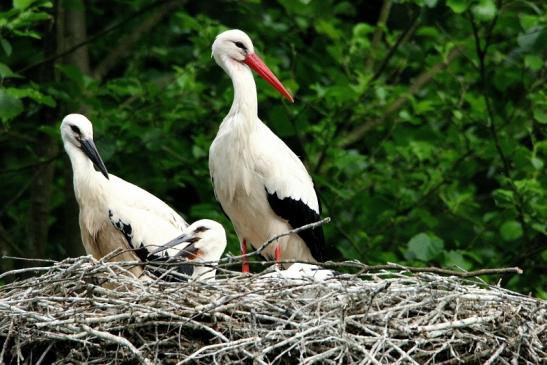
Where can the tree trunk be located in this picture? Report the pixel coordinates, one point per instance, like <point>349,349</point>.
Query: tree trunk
<point>40,189</point>
<point>74,31</point>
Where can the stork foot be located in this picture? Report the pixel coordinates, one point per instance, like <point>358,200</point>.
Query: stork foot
<point>277,256</point>
<point>245,261</point>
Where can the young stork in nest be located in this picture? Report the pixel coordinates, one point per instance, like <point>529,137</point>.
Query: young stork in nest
<point>113,212</point>
<point>202,242</point>
<point>262,186</point>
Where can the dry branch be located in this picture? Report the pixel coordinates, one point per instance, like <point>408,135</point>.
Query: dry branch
<point>376,316</point>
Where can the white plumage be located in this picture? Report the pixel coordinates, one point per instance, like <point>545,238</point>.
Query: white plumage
<point>113,212</point>
<point>261,184</point>
<point>302,272</point>
<point>203,241</point>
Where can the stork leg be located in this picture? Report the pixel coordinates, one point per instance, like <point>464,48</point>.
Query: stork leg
<point>277,256</point>
<point>245,261</point>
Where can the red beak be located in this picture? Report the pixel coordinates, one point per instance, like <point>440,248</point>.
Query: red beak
<point>254,62</point>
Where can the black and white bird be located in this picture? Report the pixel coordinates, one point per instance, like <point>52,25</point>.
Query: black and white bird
<point>262,186</point>
<point>203,241</point>
<point>113,212</point>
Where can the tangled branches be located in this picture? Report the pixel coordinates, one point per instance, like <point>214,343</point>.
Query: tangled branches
<point>80,310</point>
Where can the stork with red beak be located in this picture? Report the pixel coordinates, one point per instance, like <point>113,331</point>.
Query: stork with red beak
<point>260,183</point>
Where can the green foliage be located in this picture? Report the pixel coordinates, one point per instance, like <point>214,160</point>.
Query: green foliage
<point>425,135</point>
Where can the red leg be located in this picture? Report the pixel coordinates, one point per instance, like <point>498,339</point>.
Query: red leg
<point>277,254</point>
<point>245,263</point>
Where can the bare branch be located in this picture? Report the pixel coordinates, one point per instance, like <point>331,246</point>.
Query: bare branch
<point>378,32</point>
<point>417,84</point>
<point>128,41</point>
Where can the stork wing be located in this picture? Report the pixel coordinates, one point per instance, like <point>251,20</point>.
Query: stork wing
<point>133,196</point>
<point>143,230</point>
<point>289,188</point>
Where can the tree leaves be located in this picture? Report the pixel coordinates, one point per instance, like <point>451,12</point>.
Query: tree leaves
<point>425,247</point>
<point>425,183</point>
<point>10,106</point>
<point>511,230</point>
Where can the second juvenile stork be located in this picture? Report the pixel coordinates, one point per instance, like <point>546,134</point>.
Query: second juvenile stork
<point>199,247</point>
<point>260,183</point>
<point>113,212</point>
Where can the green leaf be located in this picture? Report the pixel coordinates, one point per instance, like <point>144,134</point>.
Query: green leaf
<point>10,106</point>
<point>485,10</point>
<point>533,62</point>
<point>528,21</point>
<point>6,46</point>
<point>456,259</point>
<point>22,4</point>
<point>425,247</point>
<point>504,197</point>
<point>537,163</point>
<point>34,94</point>
<point>540,115</point>
<point>6,72</point>
<point>511,230</point>
<point>457,6</point>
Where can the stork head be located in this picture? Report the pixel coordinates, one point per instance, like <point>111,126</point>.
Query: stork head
<point>203,240</point>
<point>76,130</point>
<point>235,46</point>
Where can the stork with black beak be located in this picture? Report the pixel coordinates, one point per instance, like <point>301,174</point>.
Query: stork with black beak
<point>203,241</point>
<point>113,212</point>
<point>260,183</point>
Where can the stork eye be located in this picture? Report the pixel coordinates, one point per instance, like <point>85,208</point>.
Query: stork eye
<point>200,229</point>
<point>240,45</point>
<point>75,129</point>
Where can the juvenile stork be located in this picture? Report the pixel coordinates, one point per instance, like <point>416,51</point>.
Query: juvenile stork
<point>203,241</point>
<point>260,183</point>
<point>113,212</point>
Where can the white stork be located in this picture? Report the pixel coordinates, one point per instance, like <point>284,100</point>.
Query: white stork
<point>113,212</point>
<point>203,241</point>
<point>260,183</point>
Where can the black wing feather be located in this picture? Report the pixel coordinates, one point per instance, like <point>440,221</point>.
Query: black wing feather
<point>144,255</point>
<point>298,214</point>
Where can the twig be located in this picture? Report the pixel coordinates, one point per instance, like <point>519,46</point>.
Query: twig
<point>118,340</point>
<point>403,36</point>
<point>378,32</point>
<point>276,237</point>
<point>131,38</point>
<point>264,320</point>
<point>95,36</point>
<point>495,355</point>
<point>436,270</point>
<point>417,84</point>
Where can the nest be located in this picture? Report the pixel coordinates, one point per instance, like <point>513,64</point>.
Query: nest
<point>84,311</point>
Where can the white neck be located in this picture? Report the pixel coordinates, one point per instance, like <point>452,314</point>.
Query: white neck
<point>245,101</point>
<point>87,181</point>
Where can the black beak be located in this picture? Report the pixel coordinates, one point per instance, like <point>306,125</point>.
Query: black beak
<point>90,150</point>
<point>189,251</point>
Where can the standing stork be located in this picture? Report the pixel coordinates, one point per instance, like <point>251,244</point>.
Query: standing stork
<point>260,183</point>
<point>113,212</point>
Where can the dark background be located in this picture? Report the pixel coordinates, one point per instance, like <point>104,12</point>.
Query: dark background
<point>422,122</point>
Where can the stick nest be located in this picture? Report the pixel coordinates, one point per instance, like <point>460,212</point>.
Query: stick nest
<point>83,311</point>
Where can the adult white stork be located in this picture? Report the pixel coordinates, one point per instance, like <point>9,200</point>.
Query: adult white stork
<point>260,183</point>
<point>203,241</point>
<point>113,212</point>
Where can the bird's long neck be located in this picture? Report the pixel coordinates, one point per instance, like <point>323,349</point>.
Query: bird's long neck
<point>88,183</point>
<point>245,103</point>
